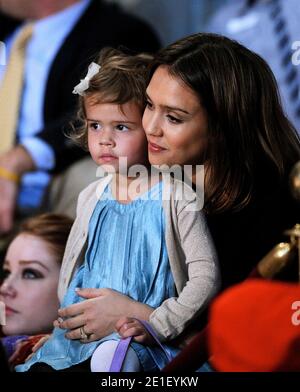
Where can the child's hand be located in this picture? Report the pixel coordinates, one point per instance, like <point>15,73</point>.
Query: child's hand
<point>128,326</point>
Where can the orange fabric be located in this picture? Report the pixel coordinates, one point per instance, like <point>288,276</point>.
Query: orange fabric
<point>251,328</point>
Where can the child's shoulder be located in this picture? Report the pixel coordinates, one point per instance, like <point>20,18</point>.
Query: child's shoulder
<point>94,190</point>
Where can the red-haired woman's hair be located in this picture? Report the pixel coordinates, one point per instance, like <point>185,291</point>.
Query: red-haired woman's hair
<point>52,228</point>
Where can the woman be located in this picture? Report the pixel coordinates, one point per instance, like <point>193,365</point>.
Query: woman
<point>213,102</point>
<point>30,277</point>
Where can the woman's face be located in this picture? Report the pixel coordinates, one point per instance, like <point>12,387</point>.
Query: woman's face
<point>29,289</point>
<point>174,121</point>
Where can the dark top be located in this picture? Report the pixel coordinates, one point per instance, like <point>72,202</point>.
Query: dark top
<point>101,25</point>
<point>3,360</point>
<point>243,238</point>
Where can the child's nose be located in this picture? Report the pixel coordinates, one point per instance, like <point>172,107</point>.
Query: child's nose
<point>106,138</point>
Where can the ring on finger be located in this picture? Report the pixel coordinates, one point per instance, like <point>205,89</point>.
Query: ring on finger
<point>83,335</point>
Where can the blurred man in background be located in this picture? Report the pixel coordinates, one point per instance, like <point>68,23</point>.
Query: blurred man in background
<point>49,44</point>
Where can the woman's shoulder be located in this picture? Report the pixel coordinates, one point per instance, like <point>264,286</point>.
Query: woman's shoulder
<point>183,196</point>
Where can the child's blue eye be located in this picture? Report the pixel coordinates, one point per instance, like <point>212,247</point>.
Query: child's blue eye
<point>122,128</point>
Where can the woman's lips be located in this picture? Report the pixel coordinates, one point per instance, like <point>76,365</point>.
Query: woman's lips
<point>155,148</point>
<point>9,311</point>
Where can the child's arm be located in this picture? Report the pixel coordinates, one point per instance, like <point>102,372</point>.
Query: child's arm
<point>128,326</point>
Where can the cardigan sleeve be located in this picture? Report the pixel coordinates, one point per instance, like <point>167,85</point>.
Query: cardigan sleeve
<point>75,240</point>
<point>203,280</point>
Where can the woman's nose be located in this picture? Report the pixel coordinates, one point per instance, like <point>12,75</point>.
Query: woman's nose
<point>8,287</point>
<point>152,123</point>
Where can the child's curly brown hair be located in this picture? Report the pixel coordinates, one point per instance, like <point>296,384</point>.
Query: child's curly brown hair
<point>122,78</point>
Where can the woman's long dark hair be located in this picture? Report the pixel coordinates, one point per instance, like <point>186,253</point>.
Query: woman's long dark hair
<point>247,129</point>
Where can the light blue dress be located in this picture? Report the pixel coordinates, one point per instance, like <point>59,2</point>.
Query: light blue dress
<point>126,252</point>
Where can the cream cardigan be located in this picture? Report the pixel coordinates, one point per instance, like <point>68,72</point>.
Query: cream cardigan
<point>191,252</point>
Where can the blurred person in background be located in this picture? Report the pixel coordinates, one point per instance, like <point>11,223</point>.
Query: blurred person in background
<point>172,19</point>
<point>30,279</point>
<point>48,45</point>
<point>270,28</point>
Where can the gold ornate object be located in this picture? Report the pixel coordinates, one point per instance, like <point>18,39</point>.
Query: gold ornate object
<point>277,259</point>
<point>295,190</point>
<point>294,233</point>
<point>295,181</point>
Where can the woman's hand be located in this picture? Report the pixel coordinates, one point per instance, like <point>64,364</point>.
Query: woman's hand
<point>8,194</point>
<point>128,326</point>
<point>97,316</point>
<point>15,161</point>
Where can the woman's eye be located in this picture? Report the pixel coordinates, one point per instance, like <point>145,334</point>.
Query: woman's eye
<point>31,274</point>
<point>173,119</point>
<point>149,105</point>
<point>121,127</point>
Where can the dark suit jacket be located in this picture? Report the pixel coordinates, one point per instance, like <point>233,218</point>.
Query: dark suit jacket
<point>101,25</point>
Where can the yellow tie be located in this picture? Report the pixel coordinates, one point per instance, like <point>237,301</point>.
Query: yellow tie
<point>11,89</point>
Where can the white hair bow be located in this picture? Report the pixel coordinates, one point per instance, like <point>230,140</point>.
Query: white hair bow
<point>93,69</point>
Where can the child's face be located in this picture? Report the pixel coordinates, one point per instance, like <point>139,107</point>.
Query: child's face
<point>113,134</point>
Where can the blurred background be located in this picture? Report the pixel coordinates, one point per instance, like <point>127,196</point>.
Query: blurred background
<point>173,19</point>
